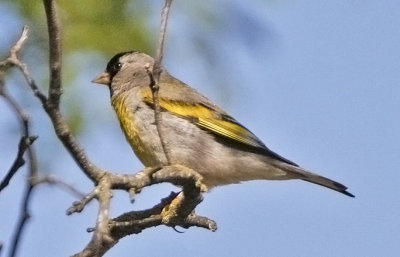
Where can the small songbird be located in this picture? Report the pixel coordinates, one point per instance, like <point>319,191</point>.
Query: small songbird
<point>199,134</point>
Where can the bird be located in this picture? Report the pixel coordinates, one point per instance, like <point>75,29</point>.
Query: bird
<point>198,133</point>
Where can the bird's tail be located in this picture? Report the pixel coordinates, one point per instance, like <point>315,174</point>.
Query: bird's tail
<point>316,179</point>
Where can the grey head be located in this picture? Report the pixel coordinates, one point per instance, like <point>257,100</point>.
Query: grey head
<point>126,70</point>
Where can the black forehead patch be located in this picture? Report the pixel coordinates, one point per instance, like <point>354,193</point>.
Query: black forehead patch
<point>112,64</point>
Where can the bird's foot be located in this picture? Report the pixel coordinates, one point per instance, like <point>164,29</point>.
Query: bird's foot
<point>170,213</point>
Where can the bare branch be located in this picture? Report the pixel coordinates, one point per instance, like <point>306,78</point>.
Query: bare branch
<point>52,105</point>
<point>175,174</point>
<point>175,210</point>
<point>101,234</point>
<point>55,90</point>
<point>15,49</point>
<point>63,132</point>
<point>154,75</point>
<point>23,218</point>
<point>199,221</point>
<point>60,125</point>
<point>52,180</point>
<point>13,60</point>
<point>26,140</point>
<point>135,222</point>
<point>161,40</point>
<point>101,238</point>
<point>19,112</point>
<point>55,61</point>
<point>78,206</point>
<point>31,82</point>
<point>24,143</point>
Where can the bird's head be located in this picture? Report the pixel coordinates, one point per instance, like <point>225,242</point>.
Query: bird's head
<point>126,70</point>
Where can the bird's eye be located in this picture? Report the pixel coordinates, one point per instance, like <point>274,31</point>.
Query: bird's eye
<point>117,66</point>
<point>114,65</point>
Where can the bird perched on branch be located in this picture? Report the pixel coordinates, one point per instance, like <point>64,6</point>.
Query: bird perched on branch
<point>198,134</point>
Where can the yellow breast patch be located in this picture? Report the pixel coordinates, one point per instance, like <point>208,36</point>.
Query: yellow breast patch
<point>131,130</point>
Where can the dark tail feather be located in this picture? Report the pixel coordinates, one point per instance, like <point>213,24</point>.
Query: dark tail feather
<point>326,182</point>
<point>314,178</point>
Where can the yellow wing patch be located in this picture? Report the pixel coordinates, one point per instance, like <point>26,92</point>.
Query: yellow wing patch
<point>178,107</point>
<point>188,110</point>
<point>230,130</point>
<point>209,119</point>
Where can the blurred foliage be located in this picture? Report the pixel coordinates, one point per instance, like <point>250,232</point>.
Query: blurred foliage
<point>90,25</point>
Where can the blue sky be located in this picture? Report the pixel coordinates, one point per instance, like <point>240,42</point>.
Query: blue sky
<point>317,81</point>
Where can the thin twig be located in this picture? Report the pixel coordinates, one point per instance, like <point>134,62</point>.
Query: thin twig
<point>26,140</point>
<point>15,49</point>
<point>23,218</point>
<point>161,40</point>
<point>78,206</point>
<point>52,180</point>
<point>13,60</point>
<point>155,79</point>
<point>24,143</point>
<point>32,167</point>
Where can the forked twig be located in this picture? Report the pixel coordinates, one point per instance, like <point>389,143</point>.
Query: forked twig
<point>25,142</point>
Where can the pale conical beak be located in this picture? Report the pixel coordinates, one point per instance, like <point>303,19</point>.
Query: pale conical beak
<point>103,78</point>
